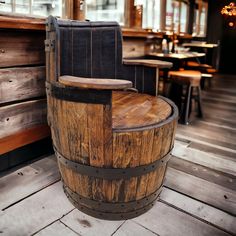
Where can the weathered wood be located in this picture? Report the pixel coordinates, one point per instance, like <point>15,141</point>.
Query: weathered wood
<point>35,212</point>
<point>87,225</point>
<point>214,176</point>
<point>56,229</point>
<point>165,220</point>
<point>217,162</point>
<point>205,191</point>
<point>21,49</point>
<point>23,83</point>
<point>21,116</point>
<point>24,137</point>
<point>117,134</point>
<point>138,138</point>
<point>134,48</point>
<point>27,181</point>
<point>11,21</point>
<point>199,210</point>
<point>88,83</point>
<point>131,228</point>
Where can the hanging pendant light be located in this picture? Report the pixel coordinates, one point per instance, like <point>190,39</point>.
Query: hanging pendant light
<point>229,10</point>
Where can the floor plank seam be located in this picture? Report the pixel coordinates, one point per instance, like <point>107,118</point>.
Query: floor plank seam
<point>194,216</point>
<point>118,228</point>
<point>48,185</point>
<point>144,227</point>
<point>220,209</point>
<point>59,219</point>
<point>69,227</point>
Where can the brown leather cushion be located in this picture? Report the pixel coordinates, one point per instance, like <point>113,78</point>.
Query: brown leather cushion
<point>186,77</point>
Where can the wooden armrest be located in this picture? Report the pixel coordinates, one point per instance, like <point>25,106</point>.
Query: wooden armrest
<point>148,63</point>
<point>94,83</point>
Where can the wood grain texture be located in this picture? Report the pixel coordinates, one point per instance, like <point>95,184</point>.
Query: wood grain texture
<point>95,83</point>
<point>20,48</point>
<point>56,229</point>
<point>199,189</point>
<point>86,133</point>
<point>12,21</point>
<point>23,83</point>
<point>28,180</point>
<point>86,225</point>
<point>133,48</point>
<point>24,137</point>
<point>165,220</point>
<point>21,116</point>
<point>199,210</point>
<point>36,212</point>
<point>132,110</point>
<point>130,228</point>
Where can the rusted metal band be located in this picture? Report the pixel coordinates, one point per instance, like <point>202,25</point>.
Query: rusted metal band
<point>111,173</point>
<point>91,96</point>
<point>112,211</point>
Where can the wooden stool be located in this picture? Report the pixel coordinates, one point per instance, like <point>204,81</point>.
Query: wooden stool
<point>191,79</point>
<point>206,70</point>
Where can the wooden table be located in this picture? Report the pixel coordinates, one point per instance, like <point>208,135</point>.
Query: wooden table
<point>151,63</point>
<point>176,58</point>
<point>200,45</point>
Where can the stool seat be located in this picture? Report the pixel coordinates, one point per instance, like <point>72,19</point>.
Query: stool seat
<point>198,65</point>
<point>190,80</point>
<point>186,77</point>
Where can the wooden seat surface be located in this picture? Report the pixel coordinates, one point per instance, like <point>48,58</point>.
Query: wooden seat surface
<point>186,77</point>
<point>133,110</point>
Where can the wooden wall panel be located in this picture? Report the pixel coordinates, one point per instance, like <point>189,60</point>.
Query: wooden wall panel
<point>21,116</point>
<point>23,83</point>
<point>133,48</point>
<point>19,48</point>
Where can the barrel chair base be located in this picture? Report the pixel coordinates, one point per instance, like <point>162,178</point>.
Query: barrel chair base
<point>141,146</point>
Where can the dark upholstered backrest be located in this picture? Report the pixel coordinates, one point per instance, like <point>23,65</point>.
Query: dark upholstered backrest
<point>90,49</point>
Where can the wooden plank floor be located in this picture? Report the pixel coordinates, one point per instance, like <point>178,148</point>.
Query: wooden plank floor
<point>198,198</point>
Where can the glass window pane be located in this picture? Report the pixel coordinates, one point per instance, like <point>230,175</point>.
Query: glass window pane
<point>151,14</point>
<point>6,6</point>
<point>172,15</point>
<point>47,7</point>
<point>184,17</point>
<point>106,10</point>
<point>22,7</point>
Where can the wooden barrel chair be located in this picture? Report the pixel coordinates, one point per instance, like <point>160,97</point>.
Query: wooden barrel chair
<point>112,144</point>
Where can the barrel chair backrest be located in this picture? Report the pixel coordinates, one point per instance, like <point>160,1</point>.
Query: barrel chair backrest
<point>86,49</point>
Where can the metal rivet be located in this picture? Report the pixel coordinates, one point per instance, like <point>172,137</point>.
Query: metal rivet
<point>2,51</point>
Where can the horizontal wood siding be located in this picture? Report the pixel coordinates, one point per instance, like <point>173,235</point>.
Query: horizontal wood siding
<point>20,48</point>
<point>23,83</point>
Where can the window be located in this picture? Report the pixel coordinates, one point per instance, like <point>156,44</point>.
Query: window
<point>151,13</point>
<point>106,10</point>
<point>200,19</point>
<point>176,16</point>
<point>32,7</point>
<point>184,17</point>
